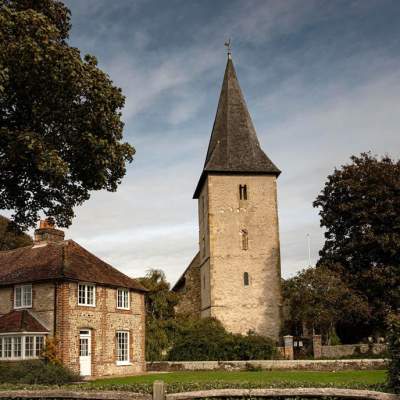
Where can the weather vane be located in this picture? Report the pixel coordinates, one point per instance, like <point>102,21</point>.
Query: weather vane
<point>229,47</point>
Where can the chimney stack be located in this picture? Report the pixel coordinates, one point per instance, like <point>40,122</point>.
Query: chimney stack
<point>47,232</point>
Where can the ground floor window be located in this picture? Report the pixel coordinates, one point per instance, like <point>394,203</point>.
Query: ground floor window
<point>15,347</point>
<point>122,347</point>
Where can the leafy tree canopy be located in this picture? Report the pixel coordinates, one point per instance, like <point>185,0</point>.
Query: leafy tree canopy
<point>359,208</point>
<point>318,299</point>
<point>60,117</point>
<point>393,322</point>
<point>160,314</point>
<point>11,237</point>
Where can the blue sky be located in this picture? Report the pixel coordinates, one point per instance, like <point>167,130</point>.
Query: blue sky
<point>321,80</point>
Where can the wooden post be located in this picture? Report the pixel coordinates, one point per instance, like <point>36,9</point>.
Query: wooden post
<point>158,390</point>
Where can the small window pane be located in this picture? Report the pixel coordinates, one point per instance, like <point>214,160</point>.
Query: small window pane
<point>17,347</point>
<point>81,294</point>
<point>122,346</point>
<point>18,296</point>
<point>90,298</point>
<point>39,345</point>
<point>29,349</point>
<point>7,347</point>
<point>243,192</point>
<point>1,347</point>
<point>84,347</point>
<point>27,290</point>
<point>245,240</point>
<point>246,279</point>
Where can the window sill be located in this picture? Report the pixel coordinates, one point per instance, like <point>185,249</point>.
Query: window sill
<point>22,307</point>
<point>123,308</point>
<point>87,305</point>
<point>122,363</point>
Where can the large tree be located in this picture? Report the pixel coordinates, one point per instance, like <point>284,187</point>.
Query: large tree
<point>360,210</point>
<point>318,299</point>
<point>11,237</point>
<point>60,117</point>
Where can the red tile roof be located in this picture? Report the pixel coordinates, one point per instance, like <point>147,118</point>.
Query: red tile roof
<point>65,260</point>
<point>20,321</point>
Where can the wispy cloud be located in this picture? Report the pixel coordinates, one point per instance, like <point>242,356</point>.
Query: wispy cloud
<point>321,81</point>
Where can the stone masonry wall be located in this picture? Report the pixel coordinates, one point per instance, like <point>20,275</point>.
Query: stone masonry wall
<point>204,253</point>
<point>242,308</point>
<point>42,303</point>
<point>103,321</point>
<point>190,300</point>
<point>346,350</point>
<point>315,365</point>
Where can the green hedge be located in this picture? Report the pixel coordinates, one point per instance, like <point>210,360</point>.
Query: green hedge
<point>394,352</point>
<point>206,339</point>
<point>36,372</point>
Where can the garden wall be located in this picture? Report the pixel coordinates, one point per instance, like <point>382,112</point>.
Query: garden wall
<point>347,350</point>
<point>315,365</point>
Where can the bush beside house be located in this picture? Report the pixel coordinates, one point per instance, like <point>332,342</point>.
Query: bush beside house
<point>36,372</point>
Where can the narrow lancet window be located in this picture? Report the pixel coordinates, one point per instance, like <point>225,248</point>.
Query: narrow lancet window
<point>246,279</point>
<point>245,239</point>
<point>243,192</point>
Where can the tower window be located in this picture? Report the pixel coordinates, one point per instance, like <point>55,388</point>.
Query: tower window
<point>246,279</point>
<point>243,192</point>
<point>245,239</point>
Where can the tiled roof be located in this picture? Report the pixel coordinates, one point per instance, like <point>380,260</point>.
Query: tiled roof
<point>234,146</point>
<point>20,321</point>
<point>64,260</point>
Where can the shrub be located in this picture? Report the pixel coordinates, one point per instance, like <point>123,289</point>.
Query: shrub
<point>206,339</point>
<point>36,372</point>
<point>394,352</point>
<point>254,347</point>
<point>49,352</point>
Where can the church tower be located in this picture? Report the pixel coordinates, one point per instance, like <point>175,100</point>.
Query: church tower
<point>239,258</point>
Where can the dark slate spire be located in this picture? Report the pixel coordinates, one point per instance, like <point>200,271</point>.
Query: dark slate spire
<point>234,146</point>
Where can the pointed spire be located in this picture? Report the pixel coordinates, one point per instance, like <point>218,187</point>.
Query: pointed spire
<point>234,146</point>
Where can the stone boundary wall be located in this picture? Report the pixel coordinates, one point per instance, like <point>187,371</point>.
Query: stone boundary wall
<point>285,393</point>
<point>314,365</point>
<point>219,393</point>
<point>346,350</point>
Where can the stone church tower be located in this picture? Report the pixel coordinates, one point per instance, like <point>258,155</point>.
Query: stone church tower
<point>236,275</point>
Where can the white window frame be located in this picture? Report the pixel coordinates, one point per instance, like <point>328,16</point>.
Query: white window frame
<point>14,339</point>
<point>127,360</point>
<point>86,291</point>
<point>23,289</point>
<point>125,305</point>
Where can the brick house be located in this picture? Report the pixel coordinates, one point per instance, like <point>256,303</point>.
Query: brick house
<point>56,288</point>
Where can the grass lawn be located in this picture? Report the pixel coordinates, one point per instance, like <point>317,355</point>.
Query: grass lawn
<point>255,379</point>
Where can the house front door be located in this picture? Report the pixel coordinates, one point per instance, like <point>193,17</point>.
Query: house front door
<point>85,353</point>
